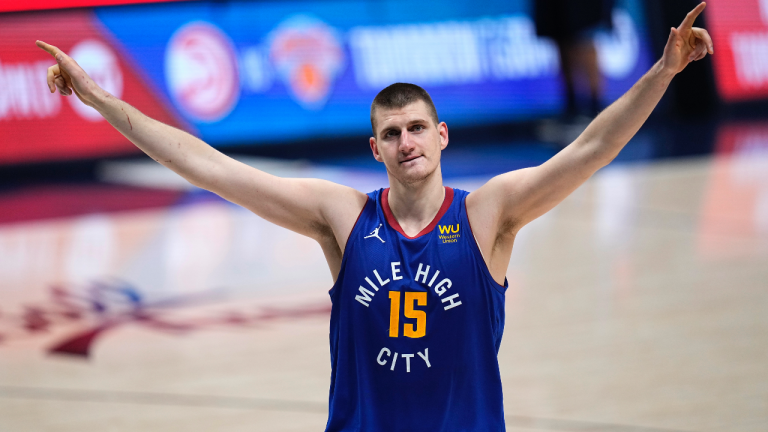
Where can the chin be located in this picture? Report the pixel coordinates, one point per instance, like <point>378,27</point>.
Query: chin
<point>414,175</point>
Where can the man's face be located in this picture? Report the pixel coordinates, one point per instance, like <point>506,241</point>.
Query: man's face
<point>408,142</point>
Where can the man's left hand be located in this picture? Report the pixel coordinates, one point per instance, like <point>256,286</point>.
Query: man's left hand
<point>686,43</point>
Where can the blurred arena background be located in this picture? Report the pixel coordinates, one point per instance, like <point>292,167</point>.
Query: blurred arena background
<point>130,300</point>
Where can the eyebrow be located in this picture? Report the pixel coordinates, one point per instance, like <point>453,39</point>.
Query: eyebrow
<point>410,123</point>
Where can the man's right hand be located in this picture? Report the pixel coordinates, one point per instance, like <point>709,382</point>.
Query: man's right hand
<point>68,76</point>
<point>318,209</point>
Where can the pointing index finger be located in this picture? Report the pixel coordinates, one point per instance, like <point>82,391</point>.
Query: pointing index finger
<point>691,17</point>
<point>50,49</point>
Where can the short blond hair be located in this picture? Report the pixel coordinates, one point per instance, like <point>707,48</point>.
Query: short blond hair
<point>399,95</point>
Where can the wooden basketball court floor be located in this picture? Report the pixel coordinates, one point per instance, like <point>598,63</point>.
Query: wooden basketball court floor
<point>639,304</point>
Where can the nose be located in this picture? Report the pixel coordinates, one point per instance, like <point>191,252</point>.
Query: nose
<point>406,142</point>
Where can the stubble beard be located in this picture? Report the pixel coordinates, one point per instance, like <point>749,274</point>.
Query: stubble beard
<point>413,179</point>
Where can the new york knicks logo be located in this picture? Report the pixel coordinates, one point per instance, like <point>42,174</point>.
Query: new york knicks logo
<point>307,56</point>
<point>449,233</point>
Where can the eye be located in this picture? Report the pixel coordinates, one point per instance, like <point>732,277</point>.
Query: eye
<point>417,128</point>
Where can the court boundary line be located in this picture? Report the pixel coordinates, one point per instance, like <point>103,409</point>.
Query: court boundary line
<point>553,424</point>
<point>159,398</point>
<point>242,402</point>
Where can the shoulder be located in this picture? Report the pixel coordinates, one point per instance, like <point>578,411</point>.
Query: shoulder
<point>486,212</point>
<point>340,198</point>
<point>340,208</point>
<point>459,194</point>
<point>495,204</point>
<point>355,206</point>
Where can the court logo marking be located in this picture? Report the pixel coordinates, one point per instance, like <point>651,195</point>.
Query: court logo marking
<point>69,321</point>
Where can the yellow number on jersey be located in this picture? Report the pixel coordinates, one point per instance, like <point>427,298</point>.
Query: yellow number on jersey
<point>409,330</point>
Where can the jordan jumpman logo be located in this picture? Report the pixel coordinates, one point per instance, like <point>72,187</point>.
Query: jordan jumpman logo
<point>375,233</point>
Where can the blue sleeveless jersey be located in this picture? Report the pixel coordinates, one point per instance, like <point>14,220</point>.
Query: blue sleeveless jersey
<point>415,328</point>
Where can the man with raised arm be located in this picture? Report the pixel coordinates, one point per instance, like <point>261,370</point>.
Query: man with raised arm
<point>419,268</point>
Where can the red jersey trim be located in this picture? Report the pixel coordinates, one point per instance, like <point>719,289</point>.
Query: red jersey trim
<point>396,226</point>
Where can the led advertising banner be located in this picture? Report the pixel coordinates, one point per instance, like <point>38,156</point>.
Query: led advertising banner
<point>248,73</point>
<point>36,125</point>
<point>739,30</point>
<point>17,5</point>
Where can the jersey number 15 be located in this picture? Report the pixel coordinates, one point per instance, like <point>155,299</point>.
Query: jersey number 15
<point>409,330</point>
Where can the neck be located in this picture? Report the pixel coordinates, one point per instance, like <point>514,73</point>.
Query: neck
<point>416,205</point>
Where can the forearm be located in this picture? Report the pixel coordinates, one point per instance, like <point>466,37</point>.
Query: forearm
<point>617,124</point>
<point>183,153</point>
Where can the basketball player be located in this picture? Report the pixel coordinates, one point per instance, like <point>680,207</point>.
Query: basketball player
<point>419,268</point>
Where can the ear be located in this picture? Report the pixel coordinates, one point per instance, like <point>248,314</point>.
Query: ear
<point>442,129</point>
<point>375,149</point>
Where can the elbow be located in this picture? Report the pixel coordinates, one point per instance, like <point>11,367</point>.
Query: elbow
<point>601,153</point>
<point>196,183</point>
<point>195,180</point>
<point>202,183</point>
<point>604,160</point>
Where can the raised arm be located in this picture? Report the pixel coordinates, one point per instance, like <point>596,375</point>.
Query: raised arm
<point>316,208</point>
<point>509,201</point>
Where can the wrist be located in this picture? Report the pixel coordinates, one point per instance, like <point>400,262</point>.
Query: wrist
<point>663,70</point>
<point>99,98</point>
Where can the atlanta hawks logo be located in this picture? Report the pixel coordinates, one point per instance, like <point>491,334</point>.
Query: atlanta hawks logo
<point>375,233</point>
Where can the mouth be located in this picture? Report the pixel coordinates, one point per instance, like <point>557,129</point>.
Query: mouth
<point>409,159</point>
